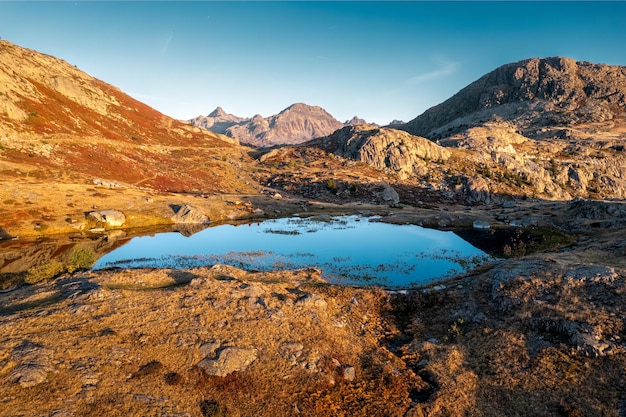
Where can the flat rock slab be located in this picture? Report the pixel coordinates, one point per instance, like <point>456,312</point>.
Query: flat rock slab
<point>229,360</point>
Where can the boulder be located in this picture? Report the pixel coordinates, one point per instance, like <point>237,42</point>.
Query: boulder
<point>111,218</point>
<point>186,214</point>
<point>387,193</point>
<point>480,225</point>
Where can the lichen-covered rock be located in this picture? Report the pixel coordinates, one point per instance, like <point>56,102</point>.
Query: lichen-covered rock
<point>229,360</point>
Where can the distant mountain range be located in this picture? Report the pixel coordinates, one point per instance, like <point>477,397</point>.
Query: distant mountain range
<point>298,123</point>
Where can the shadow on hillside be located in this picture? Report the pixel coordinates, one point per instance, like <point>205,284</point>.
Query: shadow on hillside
<point>4,235</point>
<point>555,325</point>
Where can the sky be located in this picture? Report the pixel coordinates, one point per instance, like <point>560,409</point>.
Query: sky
<point>377,60</point>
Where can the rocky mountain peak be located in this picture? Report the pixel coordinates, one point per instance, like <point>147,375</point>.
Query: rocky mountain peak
<point>355,121</point>
<point>531,93</point>
<point>218,112</point>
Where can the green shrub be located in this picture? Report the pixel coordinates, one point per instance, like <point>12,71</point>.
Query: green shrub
<point>43,272</point>
<point>79,258</point>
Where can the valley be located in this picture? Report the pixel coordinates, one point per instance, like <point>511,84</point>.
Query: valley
<point>532,154</point>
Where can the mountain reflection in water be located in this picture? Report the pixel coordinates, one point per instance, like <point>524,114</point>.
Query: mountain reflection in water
<point>349,250</point>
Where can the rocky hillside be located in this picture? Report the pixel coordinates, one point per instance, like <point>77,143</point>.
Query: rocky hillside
<point>551,128</point>
<point>57,121</point>
<point>533,94</point>
<point>296,124</point>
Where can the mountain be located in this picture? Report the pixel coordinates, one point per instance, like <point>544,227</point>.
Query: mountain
<point>532,94</point>
<point>355,121</point>
<point>57,120</point>
<point>548,128</point>
<point>217,121</point>
<point>296,124</point>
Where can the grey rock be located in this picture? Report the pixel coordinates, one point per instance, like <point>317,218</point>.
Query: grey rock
<point>187,214</point>
<point>386,149</point>
<point>387,193</point>
<point>481,225</point>
<point>34,363</point>
<point>229,360</point>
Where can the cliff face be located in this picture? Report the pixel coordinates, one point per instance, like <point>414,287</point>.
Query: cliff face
<point>533,93</point>
<point>387,149</point>
<point>296,124</point>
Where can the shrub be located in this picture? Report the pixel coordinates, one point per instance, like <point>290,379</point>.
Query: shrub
<point>79,258</point>
<point>331,185</point>
<point>43,272</point>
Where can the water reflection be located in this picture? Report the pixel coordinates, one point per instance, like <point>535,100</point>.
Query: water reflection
<point>349,250</point>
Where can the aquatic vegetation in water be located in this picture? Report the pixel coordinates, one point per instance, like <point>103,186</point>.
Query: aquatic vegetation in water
<point>348,250</point>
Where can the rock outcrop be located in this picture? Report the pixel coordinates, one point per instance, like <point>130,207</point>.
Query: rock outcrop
<point>186,214</point>
<point>108,218</point>
<point>532,93</point>
<point>387,149</point>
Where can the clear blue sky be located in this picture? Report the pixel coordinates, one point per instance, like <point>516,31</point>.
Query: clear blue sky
<point>378,60</point>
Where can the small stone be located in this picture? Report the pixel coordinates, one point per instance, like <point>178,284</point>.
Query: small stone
<point>229,360</point>
<point>277,196</point>
<point>348,372</point>
<point>28,375</point>
<point>209,349</point>
<point>312,300</point>
<point>481,225</point>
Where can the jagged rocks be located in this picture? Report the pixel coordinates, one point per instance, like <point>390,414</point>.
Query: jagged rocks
<point>229,360</point>
<point>388,149</point>
<point>296,124</point>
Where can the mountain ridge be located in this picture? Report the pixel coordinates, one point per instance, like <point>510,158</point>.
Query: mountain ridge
<point>295,124</point>
<point>532,93</point>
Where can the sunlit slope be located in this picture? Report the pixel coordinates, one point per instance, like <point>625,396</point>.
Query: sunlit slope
<point>57,121</point>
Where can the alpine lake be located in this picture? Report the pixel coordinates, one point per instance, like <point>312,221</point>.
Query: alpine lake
<point>349,250</point>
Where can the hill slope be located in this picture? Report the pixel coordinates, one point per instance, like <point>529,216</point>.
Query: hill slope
<point>56,120</point>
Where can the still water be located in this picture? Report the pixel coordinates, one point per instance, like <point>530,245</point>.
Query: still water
<point>349,250</point>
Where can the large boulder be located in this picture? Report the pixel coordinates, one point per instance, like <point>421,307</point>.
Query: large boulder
<point>186,214</point>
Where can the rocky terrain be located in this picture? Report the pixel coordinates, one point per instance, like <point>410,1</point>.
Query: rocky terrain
<point>296,124</point>
<point>532,153</point>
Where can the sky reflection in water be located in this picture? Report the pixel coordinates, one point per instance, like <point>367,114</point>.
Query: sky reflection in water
<point>349,250</point>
